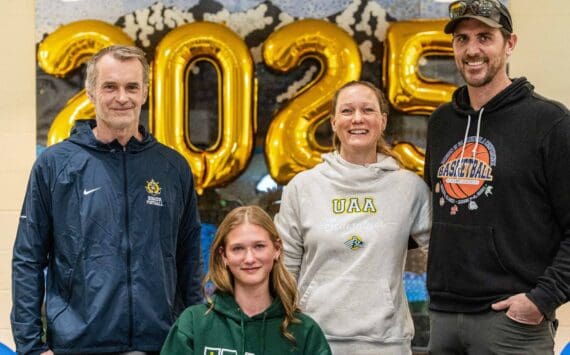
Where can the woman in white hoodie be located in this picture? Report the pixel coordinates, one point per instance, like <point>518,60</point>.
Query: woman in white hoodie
<point>345,225</point>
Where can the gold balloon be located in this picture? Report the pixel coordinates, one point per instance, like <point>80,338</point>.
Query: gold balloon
<point>290,145</point>
<point>229,54</point>
<point>66,49</point>
<point>78,107</point>
<point>411,156</point>
<point>406,43</point>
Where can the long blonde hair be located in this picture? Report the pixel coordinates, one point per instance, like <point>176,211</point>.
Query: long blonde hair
<point>381,145</point>
<point>281,282</point>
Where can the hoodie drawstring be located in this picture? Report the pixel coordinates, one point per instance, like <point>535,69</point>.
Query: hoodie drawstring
<point>478,131</point>
<point>242,333</point>
<point>474,151</point>
<point>262,333</point>
<point>263,336</point>
<point>464,144</point>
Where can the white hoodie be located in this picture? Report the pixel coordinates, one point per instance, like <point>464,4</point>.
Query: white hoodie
<point>345,229</point>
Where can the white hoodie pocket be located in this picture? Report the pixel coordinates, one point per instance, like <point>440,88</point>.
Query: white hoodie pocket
<point>354,308</point>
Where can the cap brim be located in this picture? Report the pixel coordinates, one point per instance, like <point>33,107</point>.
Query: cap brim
<point>450,26</point>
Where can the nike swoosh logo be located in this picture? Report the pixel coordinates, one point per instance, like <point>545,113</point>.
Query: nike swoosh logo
<point>87,192</point>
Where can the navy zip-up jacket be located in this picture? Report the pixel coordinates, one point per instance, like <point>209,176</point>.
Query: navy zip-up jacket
<point>118,232</point>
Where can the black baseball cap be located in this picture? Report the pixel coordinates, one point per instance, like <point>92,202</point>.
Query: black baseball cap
<point>491,12</point>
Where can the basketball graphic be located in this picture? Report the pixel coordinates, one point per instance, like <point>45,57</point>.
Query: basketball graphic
<point>463,176</point>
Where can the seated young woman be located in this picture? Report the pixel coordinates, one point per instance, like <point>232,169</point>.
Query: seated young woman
<point>253,310</point>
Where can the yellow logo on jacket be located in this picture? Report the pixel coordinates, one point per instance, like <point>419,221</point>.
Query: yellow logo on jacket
<point>153,189</point>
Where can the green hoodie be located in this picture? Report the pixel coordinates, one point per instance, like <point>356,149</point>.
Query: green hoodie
<point>226,330</point>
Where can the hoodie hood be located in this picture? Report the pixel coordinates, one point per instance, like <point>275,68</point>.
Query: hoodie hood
<point>82,134</point>
<point>220,326</point>
<point>518,90</point>
<point>226,305</point>
<point>354,176</point>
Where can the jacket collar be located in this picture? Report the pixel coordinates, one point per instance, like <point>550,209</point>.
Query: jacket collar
<point>518,90</point>
<point>82,134</point>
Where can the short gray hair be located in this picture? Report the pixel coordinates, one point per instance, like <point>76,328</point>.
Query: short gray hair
<point>121,53</point>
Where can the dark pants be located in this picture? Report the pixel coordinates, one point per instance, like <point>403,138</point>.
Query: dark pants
<point>488,333</point>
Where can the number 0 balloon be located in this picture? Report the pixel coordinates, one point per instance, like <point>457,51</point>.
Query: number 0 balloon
<point>229,54</point>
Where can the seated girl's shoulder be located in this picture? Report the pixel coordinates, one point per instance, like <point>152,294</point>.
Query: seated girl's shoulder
<point>195,315</point>
<point>197,310</point>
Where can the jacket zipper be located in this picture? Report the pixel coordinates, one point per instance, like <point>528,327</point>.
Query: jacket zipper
<point>128,248</point>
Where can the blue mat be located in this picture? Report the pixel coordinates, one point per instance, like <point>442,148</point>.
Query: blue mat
<point>4,350</point>
<point>566,350</point>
